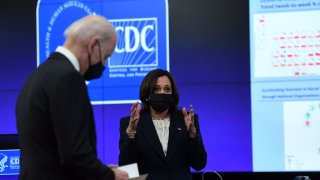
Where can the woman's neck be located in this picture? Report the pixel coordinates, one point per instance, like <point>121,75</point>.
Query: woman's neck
<point>159,116</point>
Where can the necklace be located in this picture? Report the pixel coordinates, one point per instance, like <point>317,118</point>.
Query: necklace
<point>160,118</point>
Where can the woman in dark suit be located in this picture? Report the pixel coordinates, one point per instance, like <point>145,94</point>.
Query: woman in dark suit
<point>164,141</point>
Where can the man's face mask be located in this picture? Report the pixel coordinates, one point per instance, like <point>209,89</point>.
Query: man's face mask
<point>160,102</point>
<point>94,71</point>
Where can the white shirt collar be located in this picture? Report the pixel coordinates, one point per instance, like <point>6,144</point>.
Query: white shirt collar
<point>70,56</point>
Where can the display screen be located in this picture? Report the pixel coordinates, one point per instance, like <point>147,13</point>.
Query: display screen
<point>285,86</point>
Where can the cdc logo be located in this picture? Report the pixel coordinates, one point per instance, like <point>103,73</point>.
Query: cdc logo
<point>137,44</point>
<point>15,162</point>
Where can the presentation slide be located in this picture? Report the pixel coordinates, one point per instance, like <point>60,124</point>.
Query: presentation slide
<point>285,86</point>
<point>143,41</point>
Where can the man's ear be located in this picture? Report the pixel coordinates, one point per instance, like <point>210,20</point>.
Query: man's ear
<point>91,44</point>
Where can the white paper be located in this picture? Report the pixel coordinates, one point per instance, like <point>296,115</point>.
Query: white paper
<point>131,169</point>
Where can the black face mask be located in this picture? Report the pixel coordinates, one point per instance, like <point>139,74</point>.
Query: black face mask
<point>160,102</point>
<point>94,71</point>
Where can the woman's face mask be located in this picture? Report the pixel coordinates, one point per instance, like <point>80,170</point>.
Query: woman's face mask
<point>160,102</point>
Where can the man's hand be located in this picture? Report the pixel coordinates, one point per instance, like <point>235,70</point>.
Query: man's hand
<point>119,174</point>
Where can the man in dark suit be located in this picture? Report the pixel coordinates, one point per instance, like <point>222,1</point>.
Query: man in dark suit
<point>54,115</point>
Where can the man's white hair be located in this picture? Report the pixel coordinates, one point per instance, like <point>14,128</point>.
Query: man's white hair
<point>91,26</point>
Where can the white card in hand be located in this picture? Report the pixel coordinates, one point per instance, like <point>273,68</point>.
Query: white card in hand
<point>131,169</point>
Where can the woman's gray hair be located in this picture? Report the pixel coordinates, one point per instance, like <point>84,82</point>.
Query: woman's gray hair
<point>91,26</point>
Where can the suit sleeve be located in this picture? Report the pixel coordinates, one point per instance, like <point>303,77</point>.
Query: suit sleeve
<point>72,119</point>
<point>127,146</point>
<point>197,152</point>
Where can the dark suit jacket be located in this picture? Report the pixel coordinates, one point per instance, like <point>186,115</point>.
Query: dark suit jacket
<point>56,125</point>
<point>146,149</point>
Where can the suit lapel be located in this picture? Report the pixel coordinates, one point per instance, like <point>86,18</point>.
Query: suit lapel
<point>149,132</point>
<point>175,133</point>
